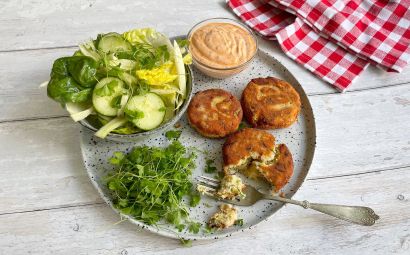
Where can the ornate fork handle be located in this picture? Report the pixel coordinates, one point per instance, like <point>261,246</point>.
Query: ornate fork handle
<point>355,214</point>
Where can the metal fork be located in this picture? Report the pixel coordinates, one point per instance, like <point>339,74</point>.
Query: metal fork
<point>355,214</point>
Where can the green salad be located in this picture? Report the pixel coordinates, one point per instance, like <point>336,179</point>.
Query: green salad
<point>122,83</point>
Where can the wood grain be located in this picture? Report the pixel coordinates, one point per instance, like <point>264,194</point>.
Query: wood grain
<point>42,157</point>
<point>48,205</point>
<point>38,24</point>
<point>22,72</point>
<point>293,230</point>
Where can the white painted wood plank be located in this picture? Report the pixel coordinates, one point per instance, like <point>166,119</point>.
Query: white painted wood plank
<point>361,132</point>
<point>293,230</point>
<point>41,166</point>
<point>39,24</point>
<point>22,72</point>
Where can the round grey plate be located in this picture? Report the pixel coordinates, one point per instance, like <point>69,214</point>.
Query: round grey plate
<point>300,138</point>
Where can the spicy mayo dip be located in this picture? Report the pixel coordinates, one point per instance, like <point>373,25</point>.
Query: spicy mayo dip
<point>220,49</point>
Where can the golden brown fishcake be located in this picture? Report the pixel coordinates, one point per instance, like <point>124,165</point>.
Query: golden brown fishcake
<point>215,113</point>
<point>270,103</point>
<point>279,172</point>
<point>246,145</point>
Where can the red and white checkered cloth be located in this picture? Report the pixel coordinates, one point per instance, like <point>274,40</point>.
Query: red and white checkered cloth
<point>337,39</point>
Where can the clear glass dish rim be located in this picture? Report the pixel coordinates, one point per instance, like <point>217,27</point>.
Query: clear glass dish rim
<point>227,20</point>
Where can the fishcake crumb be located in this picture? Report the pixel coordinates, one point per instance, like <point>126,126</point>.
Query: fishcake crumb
<point>231,187</point>
<point>224,218</point>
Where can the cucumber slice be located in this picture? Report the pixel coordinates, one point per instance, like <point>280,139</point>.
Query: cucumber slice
<point>105,93</point>
<point>146,111</point>
<point>113,42</point>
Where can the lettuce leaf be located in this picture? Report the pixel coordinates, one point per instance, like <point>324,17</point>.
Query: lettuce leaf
<point>79,111</point>
<point>180,68</point>
<point>187,59</point>
<point>158,76</point>
<point>148,35</point>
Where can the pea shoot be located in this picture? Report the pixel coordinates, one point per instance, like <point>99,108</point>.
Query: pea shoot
<point>149,183</point>
<point>209,166</point>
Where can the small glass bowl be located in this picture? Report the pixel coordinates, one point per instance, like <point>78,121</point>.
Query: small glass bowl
<point>221,73</point>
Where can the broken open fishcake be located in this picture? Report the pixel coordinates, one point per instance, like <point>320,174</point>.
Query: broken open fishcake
<point>253,153</point>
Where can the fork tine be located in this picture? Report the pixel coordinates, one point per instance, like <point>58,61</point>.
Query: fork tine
<point>208,184</point>
<point>209,179</point>
<point>206,190</point>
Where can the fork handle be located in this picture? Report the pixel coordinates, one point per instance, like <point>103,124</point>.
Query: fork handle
<point>355,214</point>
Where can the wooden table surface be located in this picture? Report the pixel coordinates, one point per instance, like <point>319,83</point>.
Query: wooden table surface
<point>49,206</point>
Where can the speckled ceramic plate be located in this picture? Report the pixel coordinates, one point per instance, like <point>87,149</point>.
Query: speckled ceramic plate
<point>300,138</point>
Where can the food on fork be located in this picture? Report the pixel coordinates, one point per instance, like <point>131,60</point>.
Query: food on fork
<point>270,103</point>
<point>231,187</point>
<point>253,153</point>
<point>224,218</point>
<point>214,113</point>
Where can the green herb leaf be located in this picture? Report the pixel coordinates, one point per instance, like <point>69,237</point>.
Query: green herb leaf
<point>239,222</point>
<point>195,199</point>
<point>144,54</point>
<point>117,158</point>
<point>173,134</point>
<point>116,102</point>
<point>162,53</point>
<point>182,42</point>
<point>180,227</point>
<point>208,229</point>
<point>136,114</point>
<point>209,167</point>
<point>194,227</point>
<point>186,243</point>
<point>149,183</point>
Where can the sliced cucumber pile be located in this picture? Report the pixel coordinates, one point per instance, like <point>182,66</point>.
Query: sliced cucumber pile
<point>113,42</point>
<point>107,96</point>
<point>145,111</point>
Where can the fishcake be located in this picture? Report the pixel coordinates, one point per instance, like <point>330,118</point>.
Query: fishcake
<point>270,103</point>
<point>246,145</point>
<point>215,113</point>
<point>279,172</point>
<point>253,153</point>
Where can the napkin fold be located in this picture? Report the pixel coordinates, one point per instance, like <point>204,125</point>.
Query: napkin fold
<point>335,40</point>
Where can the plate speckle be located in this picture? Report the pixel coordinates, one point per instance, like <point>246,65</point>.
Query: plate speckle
<point>300,138</point>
